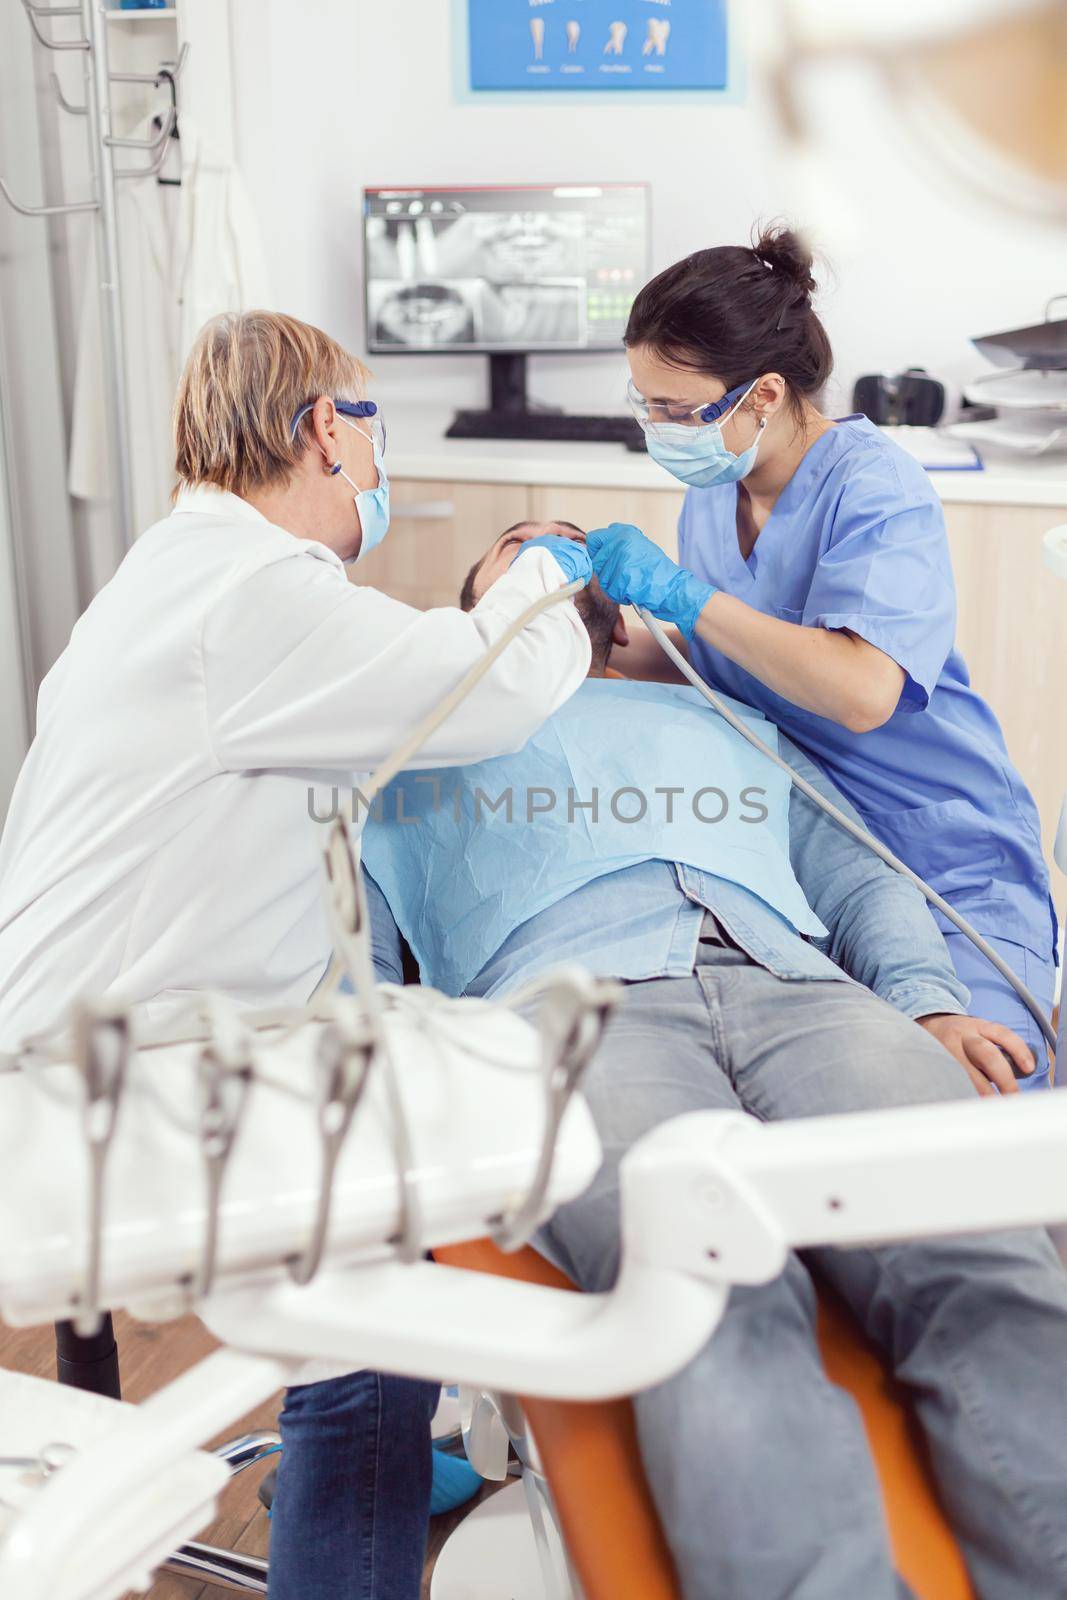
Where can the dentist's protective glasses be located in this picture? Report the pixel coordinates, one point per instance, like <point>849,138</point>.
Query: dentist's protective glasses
<point>652,414</point>
<point>361,410</point>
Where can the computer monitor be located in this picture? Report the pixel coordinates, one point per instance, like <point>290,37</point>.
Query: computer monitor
<point>503,272</point>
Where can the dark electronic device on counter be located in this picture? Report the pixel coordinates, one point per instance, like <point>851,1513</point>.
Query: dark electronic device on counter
<point>912,399</point>
<point>507,273</point>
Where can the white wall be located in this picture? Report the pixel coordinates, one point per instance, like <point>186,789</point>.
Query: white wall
<point>335,94</point>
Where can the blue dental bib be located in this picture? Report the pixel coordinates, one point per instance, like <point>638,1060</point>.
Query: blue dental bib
<point>622,773</point>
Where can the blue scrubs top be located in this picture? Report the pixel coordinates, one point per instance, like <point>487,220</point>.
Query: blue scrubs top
<point>857,540</point>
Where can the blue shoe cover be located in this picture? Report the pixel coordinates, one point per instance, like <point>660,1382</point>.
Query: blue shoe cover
<point>454,1483</point>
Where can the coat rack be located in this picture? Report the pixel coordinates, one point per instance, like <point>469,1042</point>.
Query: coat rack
<point>105,174</point>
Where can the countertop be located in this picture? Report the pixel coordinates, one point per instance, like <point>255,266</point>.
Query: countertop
<point>419,451</point>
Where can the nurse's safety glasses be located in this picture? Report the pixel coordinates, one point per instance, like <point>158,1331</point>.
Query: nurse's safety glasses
<point>363,410</point>
<point>677,413</point>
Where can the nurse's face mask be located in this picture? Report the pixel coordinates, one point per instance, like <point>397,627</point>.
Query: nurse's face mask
<point>372,505</point>
<point>688,440</point>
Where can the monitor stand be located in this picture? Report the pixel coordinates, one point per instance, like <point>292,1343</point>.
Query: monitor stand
<point>509,415</point>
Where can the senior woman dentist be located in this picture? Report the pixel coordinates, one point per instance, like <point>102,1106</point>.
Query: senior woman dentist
<point>815,584</point>
<point>158,841</point>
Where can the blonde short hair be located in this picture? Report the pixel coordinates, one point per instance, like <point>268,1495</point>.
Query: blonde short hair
<point>247,376</point>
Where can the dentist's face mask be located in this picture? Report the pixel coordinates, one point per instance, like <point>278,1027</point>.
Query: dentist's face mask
<point>692,448</point>
<point>372,505</point>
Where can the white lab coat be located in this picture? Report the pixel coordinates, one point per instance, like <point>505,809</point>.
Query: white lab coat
<point>158,841</point>
<point>186,254</point>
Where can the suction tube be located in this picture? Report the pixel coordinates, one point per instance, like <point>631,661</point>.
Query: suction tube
<point>843,821</point>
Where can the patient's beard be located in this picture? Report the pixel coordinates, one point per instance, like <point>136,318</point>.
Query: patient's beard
<point>600,616</point>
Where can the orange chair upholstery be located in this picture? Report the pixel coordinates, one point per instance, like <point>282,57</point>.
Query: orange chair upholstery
<point>608,1520</point>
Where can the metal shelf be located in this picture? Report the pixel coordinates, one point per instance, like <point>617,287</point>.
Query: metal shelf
<point>143,14</point>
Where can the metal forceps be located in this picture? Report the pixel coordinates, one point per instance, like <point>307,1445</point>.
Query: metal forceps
<point>224,1078</point>
<point>342,1066</point>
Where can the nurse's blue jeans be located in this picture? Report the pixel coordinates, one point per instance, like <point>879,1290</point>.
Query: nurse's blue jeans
<point>758,1464</point>
<point>352,1505</point>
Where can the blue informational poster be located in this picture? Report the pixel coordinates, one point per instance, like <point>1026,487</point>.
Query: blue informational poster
<point>597,44</point>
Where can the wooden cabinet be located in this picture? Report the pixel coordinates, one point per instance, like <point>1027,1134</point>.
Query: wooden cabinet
<point>1012,631</point>
<point>1012,611</point>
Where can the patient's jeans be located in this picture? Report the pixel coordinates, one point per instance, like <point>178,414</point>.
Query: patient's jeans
<point>758,1464</point>
<point>352,1505</point>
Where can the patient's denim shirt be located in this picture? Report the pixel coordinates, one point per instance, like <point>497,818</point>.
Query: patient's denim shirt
<point>645,921</point>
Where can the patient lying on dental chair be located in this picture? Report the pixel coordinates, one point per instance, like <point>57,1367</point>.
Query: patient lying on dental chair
<point>772,963</point>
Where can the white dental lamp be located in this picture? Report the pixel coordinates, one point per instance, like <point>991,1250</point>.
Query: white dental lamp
<point>972,81</point>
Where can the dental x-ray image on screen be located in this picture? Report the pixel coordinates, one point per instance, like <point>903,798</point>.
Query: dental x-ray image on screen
<point>503,269</point>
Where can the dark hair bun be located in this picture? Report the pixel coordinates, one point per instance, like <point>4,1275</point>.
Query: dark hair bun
<point>734,311</point>
<point>785,252</point>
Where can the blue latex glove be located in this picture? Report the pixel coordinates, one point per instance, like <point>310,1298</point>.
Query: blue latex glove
<point>570,555</point>
<point>635,572</point>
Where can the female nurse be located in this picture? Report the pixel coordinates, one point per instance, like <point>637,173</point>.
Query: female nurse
<point>815,584</point>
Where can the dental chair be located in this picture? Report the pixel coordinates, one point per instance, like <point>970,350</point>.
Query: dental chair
<point>583,1468</point>
<point>481,1134</point>
<point>586,1469</point>
<point>582,1471</point>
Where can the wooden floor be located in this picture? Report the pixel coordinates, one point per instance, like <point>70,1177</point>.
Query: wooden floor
<point>151,1355</point>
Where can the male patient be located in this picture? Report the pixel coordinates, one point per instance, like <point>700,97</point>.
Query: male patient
<point>750,932</point>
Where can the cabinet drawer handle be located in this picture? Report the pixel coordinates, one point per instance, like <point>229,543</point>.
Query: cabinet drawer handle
<point>423,511</point>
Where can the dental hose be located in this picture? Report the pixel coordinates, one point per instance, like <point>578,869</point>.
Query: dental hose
<point>1029,1001</point>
